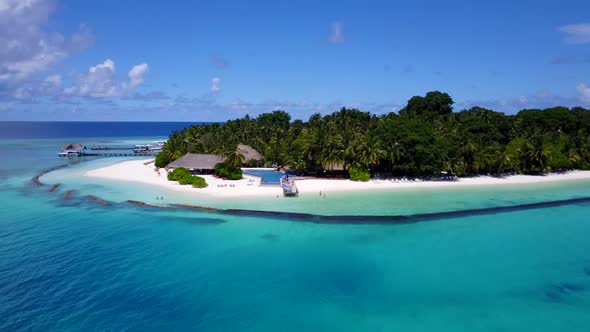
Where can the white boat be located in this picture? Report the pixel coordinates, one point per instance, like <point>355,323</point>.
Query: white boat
<point>69,153</point>
<point>146,148</point>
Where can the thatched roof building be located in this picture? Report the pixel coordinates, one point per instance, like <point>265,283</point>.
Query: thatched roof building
<point>73,146</point>
<point>196,161</point>
<point>204,163</point>
<point>249,153</point>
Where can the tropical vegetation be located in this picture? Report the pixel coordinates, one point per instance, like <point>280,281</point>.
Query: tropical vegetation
<point>359,174</point>
<point>425,138</point>
<point>184,177</point>
<point>228,172</point>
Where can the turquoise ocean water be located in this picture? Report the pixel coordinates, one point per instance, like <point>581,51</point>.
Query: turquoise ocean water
<point>72,265</point>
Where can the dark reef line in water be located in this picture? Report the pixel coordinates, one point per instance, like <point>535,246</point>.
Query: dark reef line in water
<point>394,219</point>
<point>347,219</point>
<point>68,194</point>
<point>403,219</point>
<point>54,187</point>
<point>195,207</point>
<point>38,182</point>
<point>98,200</point>
<point>144,204</point>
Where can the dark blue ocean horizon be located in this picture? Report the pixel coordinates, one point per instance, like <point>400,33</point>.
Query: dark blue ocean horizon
<point>65,129</point>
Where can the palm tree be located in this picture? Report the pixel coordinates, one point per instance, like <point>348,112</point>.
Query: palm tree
<point>372,150</point>
<point>175,147</point>
<point>234,157</point>
<point>331,154</point>
<point>503,160</point>
<point>394,151</point>
<point>467,151</point>
<point>535,155</point>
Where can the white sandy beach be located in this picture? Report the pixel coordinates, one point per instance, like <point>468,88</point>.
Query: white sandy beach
<point>136,171</point>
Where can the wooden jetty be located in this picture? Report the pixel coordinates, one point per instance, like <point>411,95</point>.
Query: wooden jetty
<point>117,154</point>
<point>80,150</point>
<point>104,147</point>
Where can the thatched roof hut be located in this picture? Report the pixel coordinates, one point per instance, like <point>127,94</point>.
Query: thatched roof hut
<point>249,153</point>
<point>196,161</point>
<point>73,146</point>
<point>204,162</point>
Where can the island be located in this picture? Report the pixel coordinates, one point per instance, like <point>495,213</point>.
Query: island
<point>424,144</point>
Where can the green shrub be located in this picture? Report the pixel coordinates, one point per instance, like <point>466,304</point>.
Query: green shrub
<point>358,174</point>
<point>228,172</point>
<point>199,182</point>
<point>218,168</point>
<point>184,177</point>
<point>178,173</point>
<point>161,160</point>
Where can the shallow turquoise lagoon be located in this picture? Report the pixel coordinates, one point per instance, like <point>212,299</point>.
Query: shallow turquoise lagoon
<point>378,202</point>
<point>77,266</point>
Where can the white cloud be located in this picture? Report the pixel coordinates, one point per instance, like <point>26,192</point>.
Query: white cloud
<point>26,48</point>
<point>53,80</point>
<point>149,96</point>
<point>576,33</point>
<point>52,85</point>
<point>215,85</point>
<point>101,81</point>
<point>583,92</point>
<point>136,75</point>
<point>23,94</point>
<point>336,34</point>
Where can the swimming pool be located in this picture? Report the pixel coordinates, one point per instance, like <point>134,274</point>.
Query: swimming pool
<point>268,176</point>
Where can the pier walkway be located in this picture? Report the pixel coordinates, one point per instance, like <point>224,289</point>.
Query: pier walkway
<point>118,154</point>
<point>79,150</point>
<point>103,147</point>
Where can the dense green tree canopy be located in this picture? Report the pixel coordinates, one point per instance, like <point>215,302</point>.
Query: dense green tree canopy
<point>426,138</point>
<point>434,104</point>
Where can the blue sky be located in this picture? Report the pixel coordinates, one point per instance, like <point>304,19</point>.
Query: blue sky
<point>211,61</point>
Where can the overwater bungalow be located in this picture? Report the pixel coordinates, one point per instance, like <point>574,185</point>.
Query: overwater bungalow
<point>72,150</point>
